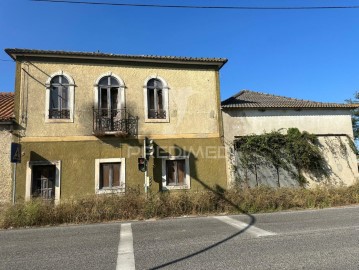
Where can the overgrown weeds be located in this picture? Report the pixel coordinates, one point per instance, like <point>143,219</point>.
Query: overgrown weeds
<point>134,205</point>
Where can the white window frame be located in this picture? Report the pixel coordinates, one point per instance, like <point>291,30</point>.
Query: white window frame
<point>71,100</point>
<point>121,90</point>
<point>165,100</point>
<point>122,187</point>
<point>29,166</point>
<point>187,180</point>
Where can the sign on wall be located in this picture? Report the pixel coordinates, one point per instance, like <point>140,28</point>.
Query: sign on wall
<point>15,156</point>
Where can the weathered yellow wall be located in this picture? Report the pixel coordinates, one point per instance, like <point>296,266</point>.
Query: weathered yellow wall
<point>5,165</point>
<point>193,98</point>
<point>207,162</point>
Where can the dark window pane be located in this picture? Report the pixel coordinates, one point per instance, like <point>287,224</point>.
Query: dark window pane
<point>151,83</point>
<point>171,172</point>
<point>114,81</point>
<point>154,83</point>
<point>103,81</point>
<point>151,99</point>
<point>64,80</point>
<point>54,98</point>
<point>114,98</point>
<point>103,98</point>
<point>55,79</point>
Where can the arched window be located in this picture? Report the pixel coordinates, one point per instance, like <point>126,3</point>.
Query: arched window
<point>155,104</point>
<point>108,95</point>
<point>156,99</point>
<point>59,104</point>
<point>110,111</point>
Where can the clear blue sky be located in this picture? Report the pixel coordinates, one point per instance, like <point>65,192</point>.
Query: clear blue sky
<point>309,54</point>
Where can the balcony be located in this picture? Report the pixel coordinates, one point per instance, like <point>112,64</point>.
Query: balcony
<point>114,122</point>
<point>156,114</point>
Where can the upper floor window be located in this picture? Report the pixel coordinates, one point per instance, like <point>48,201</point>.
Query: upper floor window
<point>59,98</point>
<point>109,110</point>
<point>156,100</point>
<point>108,99</point>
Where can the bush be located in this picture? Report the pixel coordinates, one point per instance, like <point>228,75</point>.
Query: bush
<point>134,205</point>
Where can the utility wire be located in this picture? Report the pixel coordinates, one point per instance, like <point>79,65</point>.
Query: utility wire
<point>5,60</point>
<point>196,7</point>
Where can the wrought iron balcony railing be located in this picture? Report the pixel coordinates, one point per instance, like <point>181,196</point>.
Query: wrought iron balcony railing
<point>114,122</point>
<point>59,114</point>
<point>156,114</point>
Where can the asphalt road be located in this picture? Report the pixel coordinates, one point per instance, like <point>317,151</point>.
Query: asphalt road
<point>314,239</point>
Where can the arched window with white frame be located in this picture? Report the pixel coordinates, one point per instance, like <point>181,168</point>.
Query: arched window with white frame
<point>59,98</point>
<point>156,100</point>
<point>110,111</point>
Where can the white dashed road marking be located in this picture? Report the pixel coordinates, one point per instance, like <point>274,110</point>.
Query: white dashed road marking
<point>125,255</point>
<point>241,225</point>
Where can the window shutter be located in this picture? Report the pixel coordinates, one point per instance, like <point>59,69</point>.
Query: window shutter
<point>105,175</point>
<point>181,171</point>
<point>116,174</point>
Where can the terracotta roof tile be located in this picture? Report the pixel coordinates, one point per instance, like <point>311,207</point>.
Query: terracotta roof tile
<point>219,62</point>
<point>257,100</point>
<point>6,106</point>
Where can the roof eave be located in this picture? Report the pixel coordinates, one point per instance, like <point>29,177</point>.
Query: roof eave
<point>138,59</point>
<point>287,107</point>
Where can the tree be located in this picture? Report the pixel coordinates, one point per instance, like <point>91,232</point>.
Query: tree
<point>355,116</point>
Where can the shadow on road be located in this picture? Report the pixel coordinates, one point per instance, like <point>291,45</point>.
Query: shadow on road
<point>219,192</point>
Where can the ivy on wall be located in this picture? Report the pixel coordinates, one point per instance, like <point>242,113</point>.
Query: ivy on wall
<point>295,152</point>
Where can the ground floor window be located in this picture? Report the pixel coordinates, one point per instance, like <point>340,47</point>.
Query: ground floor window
<point>110,175</point>
<point>43,180</point>
<point>175,173</point>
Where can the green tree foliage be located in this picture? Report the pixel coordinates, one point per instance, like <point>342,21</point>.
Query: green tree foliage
<point>296,152</point>
<point>355,116</point>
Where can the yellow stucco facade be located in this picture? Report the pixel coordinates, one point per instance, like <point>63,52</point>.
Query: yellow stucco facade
<point>190,132</point>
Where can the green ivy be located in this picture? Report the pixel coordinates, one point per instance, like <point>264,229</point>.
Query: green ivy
<point>295,152</point>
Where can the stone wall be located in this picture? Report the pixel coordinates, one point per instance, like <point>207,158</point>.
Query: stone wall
<point>5,165</point>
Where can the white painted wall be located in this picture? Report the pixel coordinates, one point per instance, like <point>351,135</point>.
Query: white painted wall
<point>327,123</point>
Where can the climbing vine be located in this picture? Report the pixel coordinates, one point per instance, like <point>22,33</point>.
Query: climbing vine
<point>295,152</point>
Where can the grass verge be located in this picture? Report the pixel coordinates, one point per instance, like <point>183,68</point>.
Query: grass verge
<point>134,205</point>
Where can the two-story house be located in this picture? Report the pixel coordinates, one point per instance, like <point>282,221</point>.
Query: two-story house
<point>83,117</point>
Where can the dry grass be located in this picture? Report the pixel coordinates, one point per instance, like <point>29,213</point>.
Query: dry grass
<point>134,205</point>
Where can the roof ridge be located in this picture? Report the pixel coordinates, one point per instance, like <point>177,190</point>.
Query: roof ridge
<point>255,99</point>
<point>290,98</point>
